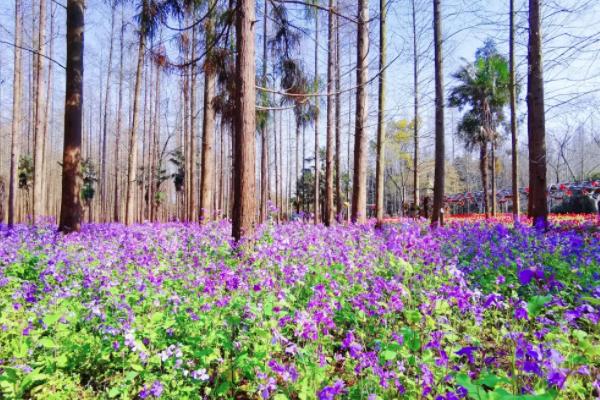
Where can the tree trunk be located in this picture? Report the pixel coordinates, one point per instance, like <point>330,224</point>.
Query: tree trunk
<point>513,116</point>
<point>317,100</point>
<point>338,124</point>
<point>416,199</point>
<point>116,213</point>
<point>103,180</point>
<point>493,173</point>
<point>132,157</point>
<point>71,210</point>
<point>297,177</point>
<point>359,189</point>
<point>329,211</point>
<point>208,132</point>
<point>264,142</point>
<point>245,124</point>
<point>483,169</point>
<point>380,169</point>
<point>16,117</point>
<point>536,127</point>
<point>38,178</point>
<point>438,182</point>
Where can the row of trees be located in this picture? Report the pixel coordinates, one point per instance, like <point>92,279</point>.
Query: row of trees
<point>217,40</point>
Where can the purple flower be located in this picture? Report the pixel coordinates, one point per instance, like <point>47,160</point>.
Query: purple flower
<point>525,276</point>
<point>468,352</point>
<point>329,392</point>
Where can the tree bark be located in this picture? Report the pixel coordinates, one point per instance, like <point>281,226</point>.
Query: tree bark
<point>513,116</point>
<point>132,157</point>
<point>116,213</point>
<point>329,211</point>
<point>103,180</point>
<point>264,141</point>
<point>39,138</point>
<point>438,182</point>
<point>316,186</point>
<point>416,183</point>
<point>380,168</point>
<point>208,132</point>
<point>338,123</point>
<point>536,129</point>
<point>71,209</point>
<point>359,189</point>
<point>483,168</point>
<point>245,124</point>
<point>16,116</point>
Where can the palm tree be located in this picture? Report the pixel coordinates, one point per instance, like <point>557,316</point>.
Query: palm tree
<point>484,88</point>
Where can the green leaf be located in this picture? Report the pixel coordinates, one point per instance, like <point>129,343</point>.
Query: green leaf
<point>47,343</point>
<point>536,304</point>
<point>388,355</point>
<point>51,319</point>
<point>114,392</point>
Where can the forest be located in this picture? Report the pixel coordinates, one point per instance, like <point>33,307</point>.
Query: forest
<point>298,199</point>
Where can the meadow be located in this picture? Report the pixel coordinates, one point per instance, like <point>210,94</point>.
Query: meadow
<point>474,310</point>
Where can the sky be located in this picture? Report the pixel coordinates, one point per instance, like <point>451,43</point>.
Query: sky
<point>571,51</point>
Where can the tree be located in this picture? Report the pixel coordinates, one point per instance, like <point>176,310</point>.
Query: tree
<point>103,177</point>
<point>16,117</point>
<point>207,185</point>
<point>484,87</point>
<point>70,208</point>
<point>536,122</point>
<point>438,181</point>
<point>380,169</point>
<point>513,115</point>
<point>39,136</point>
<point>329,211</point>
<point>116,213</point>
<point>415,107</point>
<point>359,186</point>
<point>244,202</point>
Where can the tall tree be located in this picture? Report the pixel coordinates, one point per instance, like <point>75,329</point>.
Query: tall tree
<point>438,180</point>
<point>207,182</point>
<point>16,116</point>
<point>359,186</point>
<point>133,148</point>
<point>244,202</point>
<point>380,168</point>
<point>415,108</point>
<point>39,138</point>
<point>116,205</point>
<point>338,122</point>
<point>513,115</point>
<point>263,125</point>
<point>317,109</point>
<point>484,86</point>
<point>536,126</point>
<point>329,211</point>
<point>103,160</point>
<point>71,209</point>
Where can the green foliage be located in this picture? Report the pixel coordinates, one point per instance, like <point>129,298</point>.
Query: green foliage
<point>90,177</point>
<point>576,204</point>
<point>25,172</point>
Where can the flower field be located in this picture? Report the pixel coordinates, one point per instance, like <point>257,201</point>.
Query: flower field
<point>473,310</point>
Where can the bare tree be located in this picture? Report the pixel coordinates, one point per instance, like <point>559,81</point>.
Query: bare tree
<point>244,202</point>
<point>438,182</point>
<point>380,169</point>
<point>536,127</point>
<point>359,187</point>
<point>70,209</point>
<point>39,138</point>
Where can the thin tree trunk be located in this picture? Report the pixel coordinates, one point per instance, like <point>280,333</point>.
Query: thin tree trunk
<point>16,116</point>
<point>193,144</point>
<point>103,179</point>
<point>338,124</point>
<point>536,128</point>
<point>483,168</point>
<point>132,157</point>
<point>513,116</point>
<point>329,211</point>
<point>208,131</point>
<point>316,183</point>
<point>38,179</point>
<point>380,170</point>
<point>245,124</point>
<point>438,182</point>
<point>296,183</point>
<point>416,183</point>
<point>264,147</point>
<point>116,213</point>
<point>71,210</point>
<point>493,173</point>
<point>359,187</point>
